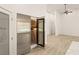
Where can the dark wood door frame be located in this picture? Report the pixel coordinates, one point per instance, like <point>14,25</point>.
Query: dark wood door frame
<point>43,45</point>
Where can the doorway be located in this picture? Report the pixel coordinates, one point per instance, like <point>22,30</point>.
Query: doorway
<point>33,32</point>
<point>37,32</point>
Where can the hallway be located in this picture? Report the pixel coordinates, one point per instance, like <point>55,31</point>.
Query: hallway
<point>57,45</point>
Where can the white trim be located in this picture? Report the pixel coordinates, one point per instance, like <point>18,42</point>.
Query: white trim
<point>12,26</point>
<point>5,9</point>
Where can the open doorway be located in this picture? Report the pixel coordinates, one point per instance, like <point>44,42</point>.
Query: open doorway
<point>37,32</point>
<point>33,32</point>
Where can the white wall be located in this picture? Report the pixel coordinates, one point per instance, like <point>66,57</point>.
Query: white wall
<point>50,23</point>
<point>58,18</point>
<point>36,10</point>
<point>67,24</point>
<point>70,24</point>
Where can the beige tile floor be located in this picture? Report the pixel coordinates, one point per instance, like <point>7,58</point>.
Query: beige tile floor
<point>57,45</point>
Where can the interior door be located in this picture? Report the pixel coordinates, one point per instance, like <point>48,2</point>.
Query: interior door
<point>40,32</point>
<point>4,32</point>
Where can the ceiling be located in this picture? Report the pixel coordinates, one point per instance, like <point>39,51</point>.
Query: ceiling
<point>61,7</point>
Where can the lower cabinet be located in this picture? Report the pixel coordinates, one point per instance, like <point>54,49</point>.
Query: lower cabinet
<point>23,43</point>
